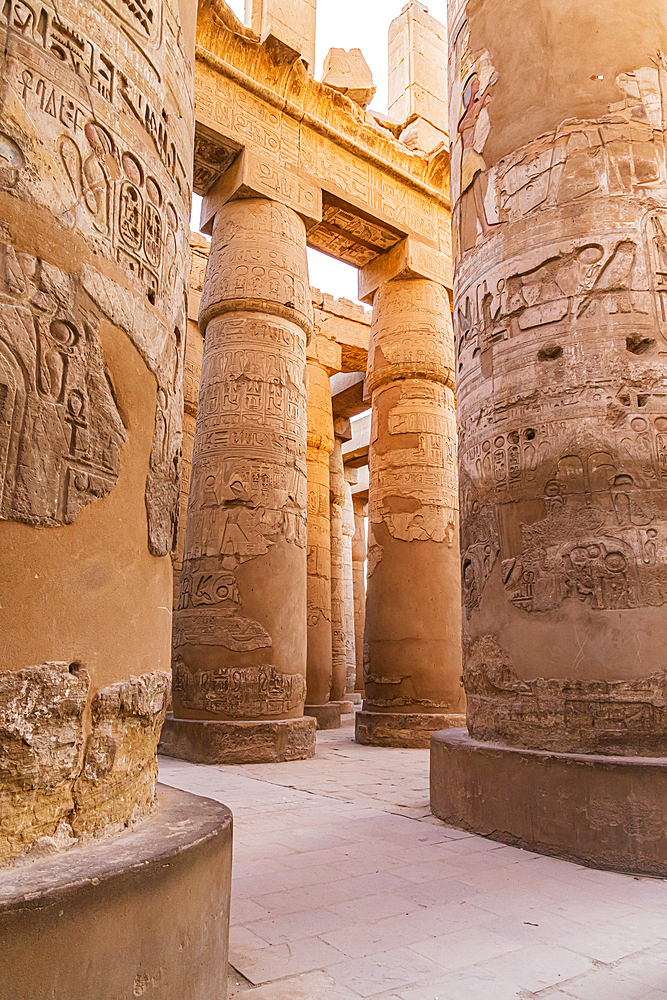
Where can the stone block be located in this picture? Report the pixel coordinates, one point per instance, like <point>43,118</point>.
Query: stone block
<point>256,176</point>
<point>408,259</point>
<point>418,67</point>
<point>350,74</point>
<point>327,716</point>
<point>203,742</point>
<point>144,914</point>
<point>607,812</point>
<point>410,730</point>
<point>291,23</point>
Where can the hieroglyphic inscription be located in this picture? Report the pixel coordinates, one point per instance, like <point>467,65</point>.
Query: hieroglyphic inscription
<point>61,434</point>
<point>241,692</point>
<point>575,715</point>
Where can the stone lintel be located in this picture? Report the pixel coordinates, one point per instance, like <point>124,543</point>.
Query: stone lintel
<point>408,259</point>
<point>255,176</point>
<point>126,916</point>
<point>360,491</point>
<point>609,814</point>
<point>355,451</point>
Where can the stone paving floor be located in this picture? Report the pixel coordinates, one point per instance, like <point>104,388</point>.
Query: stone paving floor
<point>346,886</point>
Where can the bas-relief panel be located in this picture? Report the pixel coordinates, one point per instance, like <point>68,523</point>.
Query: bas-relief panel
<point>563,478</point>
<point>60,434</point>
<point>89,138</point>
<point>242,692</point>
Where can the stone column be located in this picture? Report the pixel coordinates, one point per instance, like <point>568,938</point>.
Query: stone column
<point>560,209</point>
<point>338,619</point>
<point>320,447</point>
<point>95,206</point>
<point>413,651</point>
<point>349,529</point>
<point>240,631</point>
<point>359,588</point>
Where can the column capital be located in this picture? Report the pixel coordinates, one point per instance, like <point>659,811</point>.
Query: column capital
<point>252,176</point>
<point>325,352</point>
<point>408,259</point>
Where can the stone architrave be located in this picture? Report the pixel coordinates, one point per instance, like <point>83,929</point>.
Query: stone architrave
<point>412,641</point>
<point>359,588</point>
<point>319,637</point>
<point>349,529</point>
<point>240,630</point>
<point>96,133</point>
<point>559,188</point>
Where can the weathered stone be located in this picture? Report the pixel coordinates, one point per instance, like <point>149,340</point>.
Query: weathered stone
<point>146,912</point>
<point>96,124</point>
<point>601,811</point>
<point>291,23</point>
<point>263,742</point>
<point>350,74</point>
<point>116,785</point>
<point>41,742</point>
<point>320,447</point>
<point>417,67</point>
<point>412,640</point>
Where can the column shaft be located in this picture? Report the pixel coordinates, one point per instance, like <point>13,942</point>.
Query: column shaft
<point>359,588</point>
<point>320,447</point>
<point>413,670</point>
<point>240,631</point>
<point>348,594</point>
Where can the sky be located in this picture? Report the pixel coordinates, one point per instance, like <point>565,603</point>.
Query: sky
<point>347,24</point>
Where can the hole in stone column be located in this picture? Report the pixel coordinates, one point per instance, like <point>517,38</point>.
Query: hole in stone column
<point>550,353</point>
<point>642,400</point>
<point>530,434</point>
<point>151,296</point>
<point>637,344</point>
<point>75,668</point>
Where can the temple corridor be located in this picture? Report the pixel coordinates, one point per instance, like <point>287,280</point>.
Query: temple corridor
<point>346,886</point>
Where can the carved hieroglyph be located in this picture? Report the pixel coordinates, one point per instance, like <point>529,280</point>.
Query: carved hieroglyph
<point>320,447</point>
<point>560,224</point>
<point>412,627</point>
<point>243,583</point>
<point>95,149</point>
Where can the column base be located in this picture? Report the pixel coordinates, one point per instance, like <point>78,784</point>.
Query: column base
<point>256,742</point>
<point>606,812</point>
<point>411,730</point>
<point>327,716</point>
<point>126,916</point>
<point>346,706</point>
